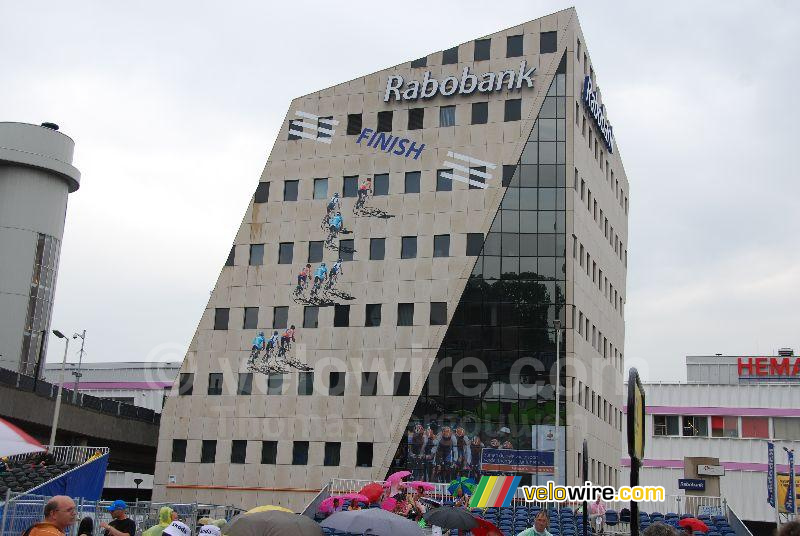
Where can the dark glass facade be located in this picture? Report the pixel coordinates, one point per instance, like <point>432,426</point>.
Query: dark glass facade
<point>491,383</point>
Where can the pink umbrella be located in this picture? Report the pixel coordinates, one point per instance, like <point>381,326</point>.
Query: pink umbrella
<point>389,504</point>
<point>15,441</point>
<point>327,504</point>
<point>396,477</point>
<point>417,484</point>
<point>356,497</point>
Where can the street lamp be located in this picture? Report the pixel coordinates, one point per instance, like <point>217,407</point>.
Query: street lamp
<point>557,391</point>
<point>60,387</point>
<point>77,373</point>
<point>137,481</point>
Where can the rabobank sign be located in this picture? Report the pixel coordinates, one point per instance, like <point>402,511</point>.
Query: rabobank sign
<point>400,90</point>
<point>598,113</point>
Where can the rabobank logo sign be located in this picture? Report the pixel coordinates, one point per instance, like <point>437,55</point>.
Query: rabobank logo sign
<point>400,90</point>
<point>598,113</point>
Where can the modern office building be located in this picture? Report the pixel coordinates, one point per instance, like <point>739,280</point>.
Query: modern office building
<point>728,410</point>
<point>143,384</point>
<point>497,219</point>
<point>36,176</point>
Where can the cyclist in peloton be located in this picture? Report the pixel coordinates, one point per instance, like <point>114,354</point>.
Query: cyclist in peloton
<point>259,343</point>
<point>302,278</point>
<point>272,343</point>
<point>319,277</point>
<point>336,225</point>
<point>286,339</point>
<point>363,191</point>
<point>335,204</point>
<point>336,271</point>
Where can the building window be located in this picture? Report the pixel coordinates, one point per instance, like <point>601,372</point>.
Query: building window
<point>416,118</point>
<point>364,454</point>
<point>320,188</point>
<point>353,124</point>
<point>474,177</point>
<point>336,384</point>
<point>373,315</point>
<point>178,450</point>
<point>215,383</point>
<point>280,316</point>
<point>380,184</point>
<point>666,425</point>
<point>269,452</point>
<point>480,113</point>
<point>250,318</point>
<point>377,249</point>
<point>474,244</point>
<point>300,453</point>
<point>238,450</point>
<point>513,111</point>
<point>275,384</point>
<point>444,184</point>
<point>293,127</point>
<point>785,428</point>
<point>221,316</point>
<point>508,175</point>
<point>482,49</point>
<point>285,253</point>
<point>412,182</point>
<point>208,451</point>
<point>438,313</point>
<point>547,42</point>
<point>450,56</point>
<point>724,426</point>
<point>350,186</point>
<point>346,249</point>
<point>315,251</point>
<point>324,123</point>
<point>408,247</point>
<point>262,193</point>
<point>421,62</point>
<point>447,116</point>
<point>332,450</point>
<point>755,427</point>
<point>385,121</point>
<point>256,254</point>
<point>405,314</point>
<point>402,383</point>
<point>341,316</point>
<point>245,386</point>
<point>513,46</point>
<point>369,383</point>
<point>290,190</point>
<point>695,426</point>
<point>186,383</point>
<point>311,316</point>
<point>231,257</point>
<point>305,383</point>
<point>441,245</point>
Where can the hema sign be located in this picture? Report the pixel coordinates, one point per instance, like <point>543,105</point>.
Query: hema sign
<point>466,85</point>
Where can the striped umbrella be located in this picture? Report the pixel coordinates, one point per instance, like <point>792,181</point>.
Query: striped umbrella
<point>466,485</point>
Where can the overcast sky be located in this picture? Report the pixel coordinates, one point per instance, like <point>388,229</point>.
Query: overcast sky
<point>175,106</point>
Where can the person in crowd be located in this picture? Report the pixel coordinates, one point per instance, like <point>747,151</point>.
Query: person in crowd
<point>86,527</point>
<point>354,505</point>
<point>164,519</point>
<point>507,445</point>
<point>209,529</point>
<point>662,529</point>
<point>121,525</point>
<point>416,442</point>
<point>174,515</point>
<point>444,455</point>
<point>59,514</point>
<point>428,453</point>
<point>475,447</point>
<point>176,528</point>
<point>463,452</point>
<point>792,528</point>
<point>417,509</point>
<point>540,525</point>
<point>4,464</point>
<point>597,510</point>
<point>461,499</point>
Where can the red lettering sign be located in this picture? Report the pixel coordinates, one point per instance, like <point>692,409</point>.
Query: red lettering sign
<point>779,369</point>
<point>761,366</point>
<point>768,366</point>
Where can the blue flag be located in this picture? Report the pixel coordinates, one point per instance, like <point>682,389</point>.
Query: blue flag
<point>790,491</point>
<point>771,474</point>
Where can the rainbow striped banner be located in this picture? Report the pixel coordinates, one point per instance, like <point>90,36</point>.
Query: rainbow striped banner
<point>495,491</point>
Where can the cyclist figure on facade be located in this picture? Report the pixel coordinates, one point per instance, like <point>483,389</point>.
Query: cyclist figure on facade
<point>319,278</point>
<point>364,191</point>
<point>302,280</point>
<point>259,343</point>
<point>335,227</point>
<point>336,271</point>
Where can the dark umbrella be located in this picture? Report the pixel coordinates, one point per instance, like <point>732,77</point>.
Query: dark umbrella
<point>449,517</point>
<point>372,521</point>
<point>273,523</point>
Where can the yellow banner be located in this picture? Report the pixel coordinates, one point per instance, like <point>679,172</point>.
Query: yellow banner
<point>783,485</point>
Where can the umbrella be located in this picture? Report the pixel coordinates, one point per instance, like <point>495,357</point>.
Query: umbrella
<point>389,504</point>
<point>449,518</point>
<point>268,508</point>
<point>694,524</point>
<point>433,503</point>
<point>372,492</point>
<point>372,521</point>
<point>467,485</point>
<point>15,441</point>
<point>485,528</point>
<point>273,523</point>
<point>396,477</point>
<point>356,497</point>
<point>416,484</point>
<point>327,504</point>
